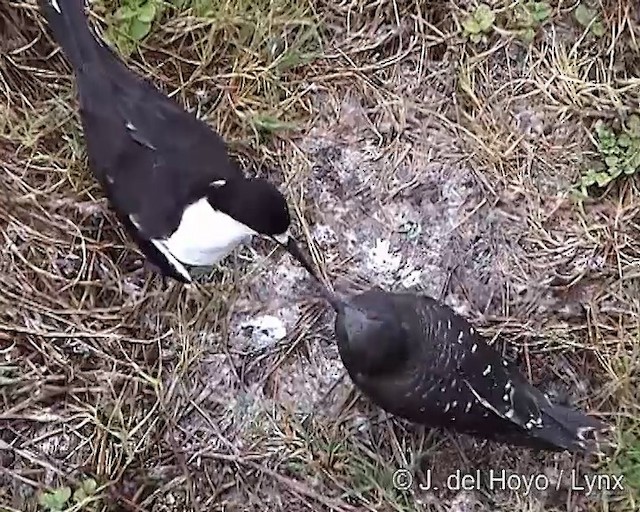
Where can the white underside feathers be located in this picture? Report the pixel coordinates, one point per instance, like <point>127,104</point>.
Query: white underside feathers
<point>204,237</point>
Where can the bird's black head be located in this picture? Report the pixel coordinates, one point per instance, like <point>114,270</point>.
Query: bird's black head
<point>255,202</point>
<point>371,338</point>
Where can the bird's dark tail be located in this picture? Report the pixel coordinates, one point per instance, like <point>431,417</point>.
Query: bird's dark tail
<point>70,28</point>
<point>570,429</point>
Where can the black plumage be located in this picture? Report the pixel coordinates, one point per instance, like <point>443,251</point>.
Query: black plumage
<point>418,359</point>
<point>166,173</point>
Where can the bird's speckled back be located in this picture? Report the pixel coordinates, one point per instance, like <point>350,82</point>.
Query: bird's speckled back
<point>433,368</point>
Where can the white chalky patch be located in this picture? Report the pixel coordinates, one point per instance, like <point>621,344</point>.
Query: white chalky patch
<point>487,370</point>
<point>474,348</point>
<point>265,330</point>
<point>381,260</point>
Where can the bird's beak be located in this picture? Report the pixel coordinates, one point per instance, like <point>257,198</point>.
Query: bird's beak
<point>291,246</point>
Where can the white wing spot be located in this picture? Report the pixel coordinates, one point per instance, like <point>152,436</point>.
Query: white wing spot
<point>454,404</point>
<point>505,397</point>
<point>443,389</point>
<point>422,409</point>
<point>471,331</point>
<point>505,364</point>
<point>486,371</point>
<point>507,386</point>
<point>55,5</point>
<point>474,348</point>
<point>130,126</point>
<point>460,336</point>
<point>446,407</point>
<point>448,324</point>
<point>468,407</point>
<point>454,382</point>
<point>509,414</point>
<point>218,183</point>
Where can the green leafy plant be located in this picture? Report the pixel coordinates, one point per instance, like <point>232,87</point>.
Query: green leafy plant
<point>59,499</point>
<point>132,22</point>
<point>627,461</point>
<point>87,488</point>
<point>589,17</point>
<point>479,23</point>
<point>56,500</point>
<point>528,16</point>
<point>620,154</point>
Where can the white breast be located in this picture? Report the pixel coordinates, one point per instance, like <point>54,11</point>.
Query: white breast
<point>204,237</point>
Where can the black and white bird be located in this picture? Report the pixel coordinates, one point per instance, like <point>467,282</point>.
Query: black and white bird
<point>167,174</point>
<point>417,359</point>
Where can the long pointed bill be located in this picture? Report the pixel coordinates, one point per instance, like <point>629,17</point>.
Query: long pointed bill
<point>291,246</point>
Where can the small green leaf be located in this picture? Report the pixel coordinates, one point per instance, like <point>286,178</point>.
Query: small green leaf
<point>589,178</point>
<point>541,11</point>
<point>79,495</point>
<point>611,161</point>
<point>624,140</point>
<point>125,13</point>
<point>602,179</point>
<point>147,12</point>
<point>270,124</point>
<point>89,486</point>
<point>615,172</point>
<point>527,34</point>
<point>584,15</point>
<point>138,30</point>
<point>476,38</point>
<point>633,125</point>
<point>598,29</point>
<point>55,501</point>
<point>471,26</point>
<point>484,16</point>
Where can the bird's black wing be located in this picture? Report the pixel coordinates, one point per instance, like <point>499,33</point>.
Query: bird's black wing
<point>473,375</point>
<point>151,155</point>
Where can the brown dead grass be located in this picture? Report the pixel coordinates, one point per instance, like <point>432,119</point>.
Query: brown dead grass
<point>104,375</point>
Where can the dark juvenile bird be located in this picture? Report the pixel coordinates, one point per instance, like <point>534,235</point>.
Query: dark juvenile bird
<point>166,173</point>
<point>418,359</point>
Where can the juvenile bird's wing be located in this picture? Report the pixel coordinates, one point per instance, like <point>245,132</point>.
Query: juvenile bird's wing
<point>484,381</point>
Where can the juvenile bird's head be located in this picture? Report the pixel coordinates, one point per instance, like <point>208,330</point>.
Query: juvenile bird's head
<point>371,338</point>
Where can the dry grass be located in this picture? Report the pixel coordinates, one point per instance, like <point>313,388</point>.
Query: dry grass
<point>104,375</point>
